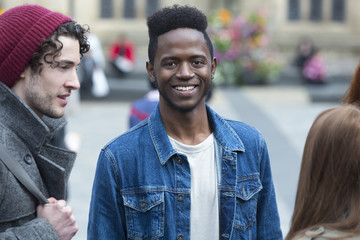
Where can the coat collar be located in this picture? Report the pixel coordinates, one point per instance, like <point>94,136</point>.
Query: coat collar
<point>34,131</point>
<point>223,133</point>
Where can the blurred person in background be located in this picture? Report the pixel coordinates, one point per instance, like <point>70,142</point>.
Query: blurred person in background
<point>93,79</point>
<point>185,172</point>
<point>143,107</point>
<point>327,202</point>
<point>309,62</point>
<point>122,54</point>
<point>39,53</point>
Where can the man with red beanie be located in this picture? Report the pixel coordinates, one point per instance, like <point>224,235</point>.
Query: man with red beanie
<point>39,53</point>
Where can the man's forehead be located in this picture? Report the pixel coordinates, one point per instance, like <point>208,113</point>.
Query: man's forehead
<point>181,34</point>
<point>69,53</point>
<point>181,29</point>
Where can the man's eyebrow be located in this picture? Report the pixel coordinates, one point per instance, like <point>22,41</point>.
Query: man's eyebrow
<point>69,62</point>
<point>198,56</point>
<point>176,58</point>
<point>169,58</point>
<point>66,61</point>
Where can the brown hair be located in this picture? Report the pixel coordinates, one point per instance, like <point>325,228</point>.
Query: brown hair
<point>51,47</point>
<point>352,95</point>
<point>328,191</point>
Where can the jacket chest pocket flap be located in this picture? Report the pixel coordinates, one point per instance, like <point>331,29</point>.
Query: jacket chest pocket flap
<point>144,214</point>
<point>246,201</point>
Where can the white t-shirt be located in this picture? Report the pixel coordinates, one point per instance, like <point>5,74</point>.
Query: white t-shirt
<point>204,214</point>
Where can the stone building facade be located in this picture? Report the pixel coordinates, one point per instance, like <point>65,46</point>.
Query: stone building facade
<point>332,24</point>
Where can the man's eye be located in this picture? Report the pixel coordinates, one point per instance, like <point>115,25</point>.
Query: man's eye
<point>198,62</point>
<point>170,64</point>
<point>63,66</point>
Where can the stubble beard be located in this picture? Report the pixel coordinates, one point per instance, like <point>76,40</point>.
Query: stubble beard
<point>42,104</point>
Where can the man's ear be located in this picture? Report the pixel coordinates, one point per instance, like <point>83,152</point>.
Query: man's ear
<point>22,75</point>
<point>150,70</point>
<point>20,85</point>
<point>213,67</point>
<point>26,72</point>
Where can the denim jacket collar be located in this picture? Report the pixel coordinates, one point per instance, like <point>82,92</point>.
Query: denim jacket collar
<point>223,133</point>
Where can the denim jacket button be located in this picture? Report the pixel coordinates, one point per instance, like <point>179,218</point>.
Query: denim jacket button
<point>179,161</point>
<point>28,159</point>
<point>143,203</point>
<point>180,197</point>
<point>180,237</point>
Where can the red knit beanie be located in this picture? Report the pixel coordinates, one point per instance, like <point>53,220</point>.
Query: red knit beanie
<point>22,29</point>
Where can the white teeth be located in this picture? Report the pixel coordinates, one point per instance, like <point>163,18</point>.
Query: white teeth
<point>185,88</point>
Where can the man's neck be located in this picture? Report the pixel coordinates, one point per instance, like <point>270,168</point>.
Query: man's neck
<point>190,128</point>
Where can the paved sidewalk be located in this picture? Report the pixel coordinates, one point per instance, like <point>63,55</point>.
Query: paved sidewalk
<point>283,114</point>
<point>94,124</point>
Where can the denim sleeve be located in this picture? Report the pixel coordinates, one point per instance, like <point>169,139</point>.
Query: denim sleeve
<point>106,207</point>
<point>268,221</point>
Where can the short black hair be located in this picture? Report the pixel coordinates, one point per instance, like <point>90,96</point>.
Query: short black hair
<point>174,17</point>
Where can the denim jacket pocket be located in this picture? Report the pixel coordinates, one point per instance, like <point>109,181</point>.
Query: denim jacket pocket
<point>246,201</point>
<point>144,214</point>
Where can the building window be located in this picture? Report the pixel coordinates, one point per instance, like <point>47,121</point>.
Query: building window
<point>129,9</point>
<point>316,10</point>
<point>338,10</point>
<point>106,9</point>
<point>151,7</point>
<point>293,10</point>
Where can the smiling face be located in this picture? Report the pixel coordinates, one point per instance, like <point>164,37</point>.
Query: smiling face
<point>183,69</point>
<point>46,92</point>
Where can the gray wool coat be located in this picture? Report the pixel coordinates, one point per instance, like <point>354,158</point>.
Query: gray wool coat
<point>25,136</point>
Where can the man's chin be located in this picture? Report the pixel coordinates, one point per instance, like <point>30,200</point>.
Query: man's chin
<point>55,114</point>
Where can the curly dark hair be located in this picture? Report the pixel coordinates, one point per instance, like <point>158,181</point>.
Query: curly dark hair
<point>170,18</point>
<point>49,49</point>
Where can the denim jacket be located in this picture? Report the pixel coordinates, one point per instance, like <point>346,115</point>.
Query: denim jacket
<point>142,186</point>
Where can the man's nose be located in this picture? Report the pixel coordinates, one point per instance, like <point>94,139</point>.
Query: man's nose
<point>73,81</point>
<point>185,71</point>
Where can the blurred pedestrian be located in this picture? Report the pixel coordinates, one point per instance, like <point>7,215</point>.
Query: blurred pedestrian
<point>309,62</point>
<point>327,202</point>
<point>143,107</point>
<point>122,54</point>
<point>39,53</point>
<point>185,172</point>
<point>94,81</point>
<point>352,95</point>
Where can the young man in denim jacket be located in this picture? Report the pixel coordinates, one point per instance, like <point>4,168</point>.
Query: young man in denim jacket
<point>185,172</point>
